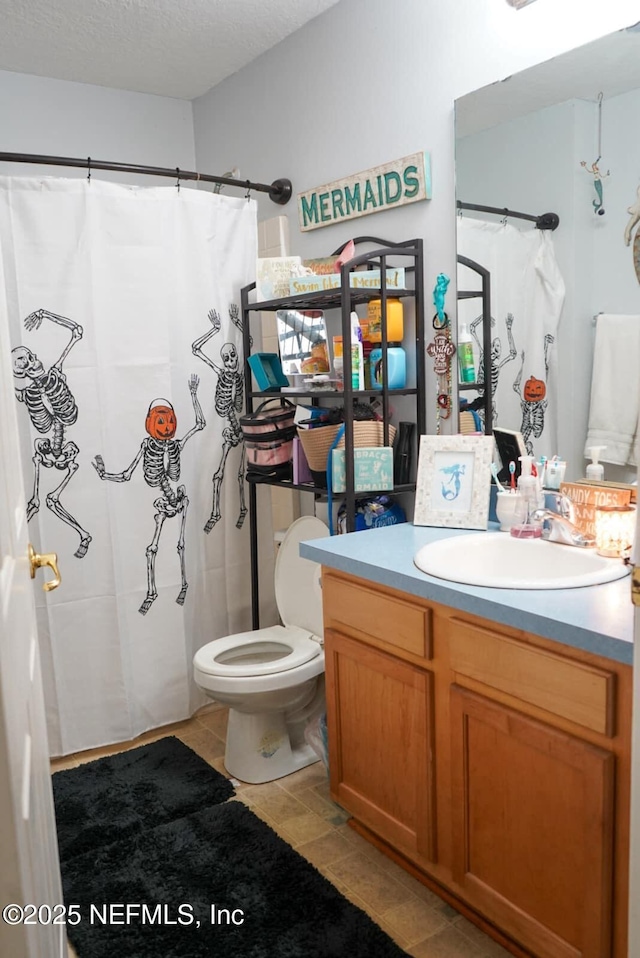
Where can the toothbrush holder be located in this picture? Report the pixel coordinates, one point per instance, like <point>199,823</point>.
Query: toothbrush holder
<point>508,509</point>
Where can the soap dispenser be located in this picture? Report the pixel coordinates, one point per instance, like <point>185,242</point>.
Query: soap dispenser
<point>595,469</point>
<point>529,489</point>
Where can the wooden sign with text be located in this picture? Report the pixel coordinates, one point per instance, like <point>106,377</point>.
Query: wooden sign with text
<point>381,188</point>
<point>586,498</point>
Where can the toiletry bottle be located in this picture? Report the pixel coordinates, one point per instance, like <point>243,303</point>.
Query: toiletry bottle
<point>338,361</point>
<point>396,367</point>
<point>395,320</point>
<point>465,356</point>
<point>529,489</point>
<point>357,357</point>
<point>595,469</point>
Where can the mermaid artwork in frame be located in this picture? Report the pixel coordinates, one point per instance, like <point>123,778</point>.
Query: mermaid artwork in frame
<point>454,480</point>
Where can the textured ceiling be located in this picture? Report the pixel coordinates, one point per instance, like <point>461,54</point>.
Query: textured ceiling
<point>178,48</point>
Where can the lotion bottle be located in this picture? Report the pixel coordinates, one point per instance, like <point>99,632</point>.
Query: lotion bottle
<point>595,469</point>
<point>465,356</point>
<point>357,354</point>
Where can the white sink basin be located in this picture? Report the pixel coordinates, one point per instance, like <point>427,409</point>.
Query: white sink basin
<point>499,561</point>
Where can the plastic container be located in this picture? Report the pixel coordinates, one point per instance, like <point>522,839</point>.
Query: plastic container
<point>395,320</point>
<point>466,362</point>
<point>595,469</point>
<point>396,367</point>
<point>338,360</point>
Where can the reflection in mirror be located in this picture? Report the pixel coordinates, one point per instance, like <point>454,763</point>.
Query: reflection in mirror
<point>302,336</point>
<point>561,137</point>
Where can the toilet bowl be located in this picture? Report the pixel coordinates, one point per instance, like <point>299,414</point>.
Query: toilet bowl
<point>272,679</point>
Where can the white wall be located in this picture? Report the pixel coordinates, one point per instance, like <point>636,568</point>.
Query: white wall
<point>60,118</point>
<point>370,81</point>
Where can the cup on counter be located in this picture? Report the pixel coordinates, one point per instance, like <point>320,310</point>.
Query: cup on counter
<point>508,505</point>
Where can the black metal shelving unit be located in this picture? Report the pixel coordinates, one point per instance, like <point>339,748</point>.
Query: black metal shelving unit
<point>345,298</point>
<point>484,293</point>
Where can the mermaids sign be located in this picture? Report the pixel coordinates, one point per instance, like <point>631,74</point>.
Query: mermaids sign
<point>381,188</point>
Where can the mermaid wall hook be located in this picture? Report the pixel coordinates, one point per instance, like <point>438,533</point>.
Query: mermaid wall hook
<point>594,169</point>
<point>598,177</point>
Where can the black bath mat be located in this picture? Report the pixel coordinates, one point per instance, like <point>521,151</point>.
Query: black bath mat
<point>107,800</point>
<point>222,857</point>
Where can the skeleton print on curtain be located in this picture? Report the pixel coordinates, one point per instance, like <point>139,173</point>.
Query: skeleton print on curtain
<point>160,454</point>
<point>527,294</point>
<point>52,410</point>
<point>228,404</point>
<point>107,288</point>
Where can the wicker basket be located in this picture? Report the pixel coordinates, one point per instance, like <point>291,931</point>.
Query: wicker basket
<point>318,441</point>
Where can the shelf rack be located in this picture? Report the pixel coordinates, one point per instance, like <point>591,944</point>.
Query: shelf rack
<point>344,298</point>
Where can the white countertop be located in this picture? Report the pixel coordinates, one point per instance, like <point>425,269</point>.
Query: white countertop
<point>597,618</point>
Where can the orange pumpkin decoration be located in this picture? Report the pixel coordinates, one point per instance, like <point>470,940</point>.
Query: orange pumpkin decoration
<point>161,422</point>
<point>534,389</point>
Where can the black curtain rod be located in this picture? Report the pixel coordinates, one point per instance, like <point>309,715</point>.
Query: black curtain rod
<point>279,191</point>
<point>547,221</point>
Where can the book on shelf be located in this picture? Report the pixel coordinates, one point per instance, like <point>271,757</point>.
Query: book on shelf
<point>359,279</point>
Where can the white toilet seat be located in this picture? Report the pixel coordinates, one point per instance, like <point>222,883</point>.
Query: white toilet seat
<point>276,649</point>
<point>266,651</point>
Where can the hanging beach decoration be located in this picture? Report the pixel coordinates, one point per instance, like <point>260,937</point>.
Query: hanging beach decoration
<point>594,169</point>
<point>634,210</point>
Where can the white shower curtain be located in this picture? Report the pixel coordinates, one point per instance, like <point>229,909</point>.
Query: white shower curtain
<point>527,295</point>
<point>123,305</point>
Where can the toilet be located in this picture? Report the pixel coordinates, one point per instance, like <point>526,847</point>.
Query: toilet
<point>272,679</point>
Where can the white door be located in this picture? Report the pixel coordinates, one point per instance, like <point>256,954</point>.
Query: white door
<point>29,868</point>
<point>634,887</point>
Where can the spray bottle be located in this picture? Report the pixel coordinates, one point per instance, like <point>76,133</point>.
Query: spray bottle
<point>595,469</point>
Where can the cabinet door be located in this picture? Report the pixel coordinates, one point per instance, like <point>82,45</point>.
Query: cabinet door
<point>532,828</point>
<point>380,729</point>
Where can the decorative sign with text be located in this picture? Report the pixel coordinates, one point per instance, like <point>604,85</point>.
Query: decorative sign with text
<point>372,466</point>
<point>380,188</point>
<point>587,498</point>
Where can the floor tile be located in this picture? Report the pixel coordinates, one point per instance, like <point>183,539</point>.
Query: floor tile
<point>326,849</point>
<point>207,745</point>
<point>304,828</point>
<point>488,947</point>
<point>369,882</point>
<point>449,943</point>
<point>414,920</point>
<point>216,722</point>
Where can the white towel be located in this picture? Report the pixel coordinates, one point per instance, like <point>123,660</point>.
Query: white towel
<point>615,389</point>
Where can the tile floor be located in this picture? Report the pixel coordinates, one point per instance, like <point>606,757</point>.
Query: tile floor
<point>299,809</point>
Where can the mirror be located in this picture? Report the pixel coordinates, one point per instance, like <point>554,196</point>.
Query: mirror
<point>302,336</point>
<point>560,137</point>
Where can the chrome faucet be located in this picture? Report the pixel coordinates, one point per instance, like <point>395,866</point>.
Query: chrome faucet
<point>559,526</point>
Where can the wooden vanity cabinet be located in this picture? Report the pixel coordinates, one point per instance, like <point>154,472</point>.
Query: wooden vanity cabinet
<point>494,764</point>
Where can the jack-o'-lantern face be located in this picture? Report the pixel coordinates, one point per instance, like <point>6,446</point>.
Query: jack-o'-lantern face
<point>161,422</point>
<point>534,389</point>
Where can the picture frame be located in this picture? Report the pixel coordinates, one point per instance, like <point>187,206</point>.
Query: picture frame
<point>453,482</point>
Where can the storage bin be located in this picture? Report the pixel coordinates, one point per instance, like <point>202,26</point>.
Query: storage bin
<point>317,442</point>
<point>268,435</point>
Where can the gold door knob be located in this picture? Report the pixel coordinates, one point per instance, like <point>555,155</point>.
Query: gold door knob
<point>50,559</point>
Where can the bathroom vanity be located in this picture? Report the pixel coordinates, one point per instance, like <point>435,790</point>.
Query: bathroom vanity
<point>481,738</point>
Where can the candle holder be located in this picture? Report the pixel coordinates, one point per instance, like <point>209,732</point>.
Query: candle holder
<point>615,527</point>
